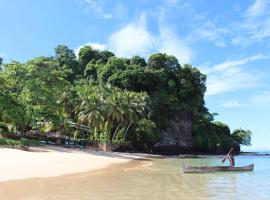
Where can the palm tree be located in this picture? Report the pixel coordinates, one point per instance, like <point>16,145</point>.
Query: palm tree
<point>90,110</point>
<point>105,108</point>
<point>135,106</point>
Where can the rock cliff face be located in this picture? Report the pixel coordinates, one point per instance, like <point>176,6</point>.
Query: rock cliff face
<point>177,136</point>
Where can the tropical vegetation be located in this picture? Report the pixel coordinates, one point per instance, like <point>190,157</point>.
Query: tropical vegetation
<point>121,100</point>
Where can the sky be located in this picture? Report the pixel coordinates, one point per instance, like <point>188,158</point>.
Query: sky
<point>227,40</point>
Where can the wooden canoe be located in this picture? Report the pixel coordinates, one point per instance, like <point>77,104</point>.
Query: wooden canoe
<point>206,169</point>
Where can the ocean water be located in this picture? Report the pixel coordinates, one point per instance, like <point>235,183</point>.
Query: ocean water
<point>151,179</point>
<point>164,179</point>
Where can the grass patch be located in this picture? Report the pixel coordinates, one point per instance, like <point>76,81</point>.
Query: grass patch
<point>22,142</point>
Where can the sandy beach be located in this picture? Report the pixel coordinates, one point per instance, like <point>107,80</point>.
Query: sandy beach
<point>53,161</point>
<point>145,179</point>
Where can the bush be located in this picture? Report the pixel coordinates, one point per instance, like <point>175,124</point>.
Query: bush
<point>3,127</point>
<point>22,142</point>
<point>26,142</point>
<point>120,136</point>
<point>5,141</point>
<point>145,135</point>
<point>243,137</point>
<point>214,137</point>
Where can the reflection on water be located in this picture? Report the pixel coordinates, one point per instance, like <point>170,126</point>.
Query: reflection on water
<point>156,179</point>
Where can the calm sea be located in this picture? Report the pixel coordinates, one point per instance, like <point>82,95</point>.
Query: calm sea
<point>156,179</point>
<point>164,179</point>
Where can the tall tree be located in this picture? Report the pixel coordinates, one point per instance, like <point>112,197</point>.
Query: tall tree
<point>243,137</point>
<point>66,59</point>
<point>37,85</point>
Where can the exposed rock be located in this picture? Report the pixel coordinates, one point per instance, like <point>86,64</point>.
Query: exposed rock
<point>178,135</point>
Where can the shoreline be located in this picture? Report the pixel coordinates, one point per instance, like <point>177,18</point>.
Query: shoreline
<point>254,154</point>
<point>48,161</point>
<point>45,187</point>
<point>54,161</point>
<point>39,188</point>
<point>135,179</point>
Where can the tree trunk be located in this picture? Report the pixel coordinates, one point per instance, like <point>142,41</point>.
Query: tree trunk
<point>115,132</point>
<point>127,130</point>
<point>28,123</point>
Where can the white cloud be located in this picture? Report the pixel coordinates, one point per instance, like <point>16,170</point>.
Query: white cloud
<point>256,24</point>
<point>136,39</point>
<point>262,99</point>
<point>208,32</point>
<point>171,44</point>
<point>199,26</point>
<point>230,80</point>
<point>132,39</point>
<point>98,46</point>
<point>94,45</point>
<point>103,8</point>
<point>97,7</point>
<point>257,8</point>
<point>234,63</point>
<point>233,104</point>
<point>230,76</point>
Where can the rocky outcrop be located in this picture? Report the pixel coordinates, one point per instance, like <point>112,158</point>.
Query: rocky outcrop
<point>178,136</point>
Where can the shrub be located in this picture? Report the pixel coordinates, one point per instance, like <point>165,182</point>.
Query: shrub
<point>3,127</point>
<point>213,137</point>
<point>22,142</point>
<point>243,137</point>
<point>145,135</point>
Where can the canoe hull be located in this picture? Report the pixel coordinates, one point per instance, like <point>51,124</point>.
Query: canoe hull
<point>207,169</point>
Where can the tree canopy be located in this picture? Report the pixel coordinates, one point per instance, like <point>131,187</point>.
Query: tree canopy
<point>243,137</point>
<point>119,99</point>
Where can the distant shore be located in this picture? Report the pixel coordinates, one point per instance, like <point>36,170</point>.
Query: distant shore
<point>48,161</point>
<point>254,154</point>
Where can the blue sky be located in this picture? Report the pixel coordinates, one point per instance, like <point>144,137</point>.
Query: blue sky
<point>227,40</point>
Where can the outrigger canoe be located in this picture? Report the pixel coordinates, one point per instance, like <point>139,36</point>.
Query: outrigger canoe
<point>206,169</point>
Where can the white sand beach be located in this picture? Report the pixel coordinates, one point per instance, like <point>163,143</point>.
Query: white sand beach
<point>52,161</point>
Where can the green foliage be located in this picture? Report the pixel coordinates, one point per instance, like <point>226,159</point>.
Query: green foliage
<point>103,108</point>
<point>113,66</point>
<point>23,142</point>
<point>137,61</point>
<point>222,128</point>
<point>160,61</point>
<point>88,54</point>
<point>211,136</point>
<point>119,99</point>
<point>31,91</point>
<point>66,59</point>
<point>145,135</point>
<point>3,127</point>
<point>243,137</point>
<point>120,136</point>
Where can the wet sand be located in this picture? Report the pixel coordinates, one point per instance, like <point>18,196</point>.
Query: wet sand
<point>72,186</point>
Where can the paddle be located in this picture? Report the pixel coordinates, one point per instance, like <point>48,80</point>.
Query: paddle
<point>223,160</point>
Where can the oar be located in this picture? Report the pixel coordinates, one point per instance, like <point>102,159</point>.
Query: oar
<point>223,160</point>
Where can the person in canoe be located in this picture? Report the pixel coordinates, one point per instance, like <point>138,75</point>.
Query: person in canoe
<point>230,157</point>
